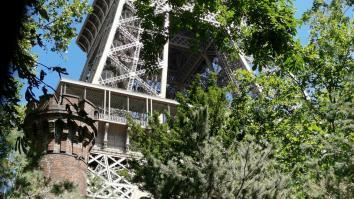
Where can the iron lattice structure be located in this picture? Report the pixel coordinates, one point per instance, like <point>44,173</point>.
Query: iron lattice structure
<point>111,37</point>
<point>116,81</point>
<point>110,173</point>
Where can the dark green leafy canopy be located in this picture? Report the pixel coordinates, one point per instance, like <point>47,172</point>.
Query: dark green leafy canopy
<point>46,24</point>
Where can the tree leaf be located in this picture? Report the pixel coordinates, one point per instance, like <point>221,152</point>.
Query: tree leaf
<point>45,90</point>
<point>43,13</point>
<point>42,75</point>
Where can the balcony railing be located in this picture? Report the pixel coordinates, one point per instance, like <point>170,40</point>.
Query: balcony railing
<point>121,116</point>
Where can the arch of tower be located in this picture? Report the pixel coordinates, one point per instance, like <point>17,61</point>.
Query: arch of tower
<point>116,81</point>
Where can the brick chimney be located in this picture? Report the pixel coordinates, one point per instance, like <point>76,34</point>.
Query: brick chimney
<point>62,132</point>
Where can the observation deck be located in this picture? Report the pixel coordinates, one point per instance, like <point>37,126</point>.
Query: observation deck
<point>113,107</point>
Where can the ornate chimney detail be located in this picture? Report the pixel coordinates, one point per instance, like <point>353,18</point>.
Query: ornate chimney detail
<point>63,134</point>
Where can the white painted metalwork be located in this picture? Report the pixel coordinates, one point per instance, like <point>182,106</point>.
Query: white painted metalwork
<point>132,74</point>
<point>122,77</point>
<point>104,179</point>
<point>124,47</point>
<point>108,42</point>
<point>120,116</point>
<point>128,20</point>
<point>126,43</point>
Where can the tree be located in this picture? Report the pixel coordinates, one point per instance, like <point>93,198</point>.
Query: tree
<point>306,104</point>
<point>301,104</point>
<point>187,157</point>
<point>327,73</point>
<point>47,24</point>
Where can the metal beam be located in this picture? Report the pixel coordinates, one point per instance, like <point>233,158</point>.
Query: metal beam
<point>109,41</point>
<point>122,77</point>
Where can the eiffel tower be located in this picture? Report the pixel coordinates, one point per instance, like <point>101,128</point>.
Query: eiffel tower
<point>116,81</point>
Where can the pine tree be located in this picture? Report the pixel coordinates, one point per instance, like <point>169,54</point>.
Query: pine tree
<point>188,157</point>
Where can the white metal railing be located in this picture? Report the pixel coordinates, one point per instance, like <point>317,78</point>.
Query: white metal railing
<point>121,116</point>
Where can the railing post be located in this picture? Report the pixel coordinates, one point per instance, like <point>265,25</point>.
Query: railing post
<point>104,103</point>
<point>147,109</point>
<point>109,104</point>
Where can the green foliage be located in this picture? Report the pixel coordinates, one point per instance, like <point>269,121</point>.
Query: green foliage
<point>22,179</point>
<point>28,185</point>
<point>11,161</point>
<point>332,173</point>
<point>59,188</point>
<point>195,155</point>
<point>184,134</point>
<point>275,113</point>
<point>32,184</point>
<point>125,174</point>
<point>264,29</point>
<point>94,182</point>
<point>302,105</point>
<point>45,24</point>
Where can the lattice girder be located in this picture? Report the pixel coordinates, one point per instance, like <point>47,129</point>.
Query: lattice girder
<point>105,167</point>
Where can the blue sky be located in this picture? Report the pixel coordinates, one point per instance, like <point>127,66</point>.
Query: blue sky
<point>74,59</point>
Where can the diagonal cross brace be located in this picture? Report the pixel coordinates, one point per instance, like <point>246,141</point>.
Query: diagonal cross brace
<point>146,86</point>
<point>122,77</point>
<point>127,34</point>
<point>124,47</point>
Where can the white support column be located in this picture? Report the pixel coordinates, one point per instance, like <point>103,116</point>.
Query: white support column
<point>128,108</point>
<point>85,92</point>
<point>109,42</point>
<point>104,103</point>
<point>61,94</point>
<point>64,88</point>
<point>127,141</point>
<point>109,104</point>
<point>105,137</point>
<point>164,64</point>
<point>151,107</point>
<point>163,115</point>
<point>147,109</point>
<point>147,105</point>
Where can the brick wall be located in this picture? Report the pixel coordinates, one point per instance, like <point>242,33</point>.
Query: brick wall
<point>61,167</point>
